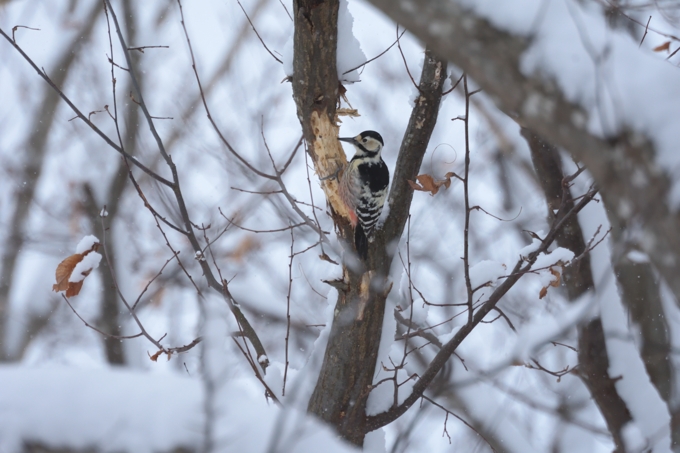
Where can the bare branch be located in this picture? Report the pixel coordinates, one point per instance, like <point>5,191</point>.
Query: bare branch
<point>258,35</point>
<point>141,48</point>
<point>520,269</point>
<point>377,56</point>
<point>46,78</point>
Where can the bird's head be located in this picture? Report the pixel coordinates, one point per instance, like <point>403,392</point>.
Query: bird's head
<point>368,143</point>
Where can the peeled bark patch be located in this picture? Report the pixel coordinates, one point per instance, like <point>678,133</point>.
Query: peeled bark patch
<point>329,159</point>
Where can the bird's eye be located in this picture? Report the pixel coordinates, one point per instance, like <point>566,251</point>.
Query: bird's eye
<point>364,140</point>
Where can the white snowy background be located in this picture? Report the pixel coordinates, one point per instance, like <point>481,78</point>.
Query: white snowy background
<point>61,392</point>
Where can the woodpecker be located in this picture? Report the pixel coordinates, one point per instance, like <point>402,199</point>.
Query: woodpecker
<point>363,187</point>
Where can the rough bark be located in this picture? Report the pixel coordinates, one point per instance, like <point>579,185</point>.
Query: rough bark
<point>593,369</point>
<point>315,90</point>
<point>345,379</point>
<point>592,349</point>
<point>347,371</point>
<point>33,156</point>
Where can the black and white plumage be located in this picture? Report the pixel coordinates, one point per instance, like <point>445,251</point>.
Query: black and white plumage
<point>363,187</point>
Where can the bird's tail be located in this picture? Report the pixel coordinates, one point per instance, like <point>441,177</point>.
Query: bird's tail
<point>361,242</point>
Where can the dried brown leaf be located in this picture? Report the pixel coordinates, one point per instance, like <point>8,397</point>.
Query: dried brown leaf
<point>65,269</point>
<point>156,355</point>
<point>558,277</point>
<point>662,47</point>
<point>74,288</point>
<point>429,184</point>
<point>554,282</point>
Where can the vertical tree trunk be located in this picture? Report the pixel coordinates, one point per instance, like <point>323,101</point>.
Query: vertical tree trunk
<point>346,376</point>
<point>592,350</point>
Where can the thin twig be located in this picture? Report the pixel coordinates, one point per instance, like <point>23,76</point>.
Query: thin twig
<point>479,208</point>
<point>433,402</point>
<point>466,186</point>
<point>158,274</point>
<point>43,74</point>
<point>377,56</point>
<point>122,298</point>
<point>522,266</point>
<point>276,230</point>
<point>287,12</point>
<point>406,64</point>
<point>148,205</point>
<point>270,393</point>
<point>205,102</point>
<point>138,91</point>
<point>454,86</point>
<point>116,337</point>
<point>258,35</point>
<point>256,192</point>
<point>176,256</point>
<point>645,34</point>
<point>410,317</point>
<point>290,287</point>
<point>310,283</point>
<point>141,48</point>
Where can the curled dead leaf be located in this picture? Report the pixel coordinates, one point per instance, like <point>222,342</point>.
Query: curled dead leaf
<point>555,282</point>
<point>558,277</point>
<point>65,270</point>
<point>428,184</point>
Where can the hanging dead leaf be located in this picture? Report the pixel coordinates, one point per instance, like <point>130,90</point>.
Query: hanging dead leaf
<point>554,282</point>
<point>66,268</point>
<point>662,47</point>
<point>429,184</point>
<point>154,357</point>
<point>558,277</point>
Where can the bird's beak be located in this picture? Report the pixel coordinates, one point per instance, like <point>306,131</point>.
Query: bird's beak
<point>351,140</point>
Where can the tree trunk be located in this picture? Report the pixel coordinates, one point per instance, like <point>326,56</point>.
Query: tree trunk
<point>592,349</point>
<point>345,380</point>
